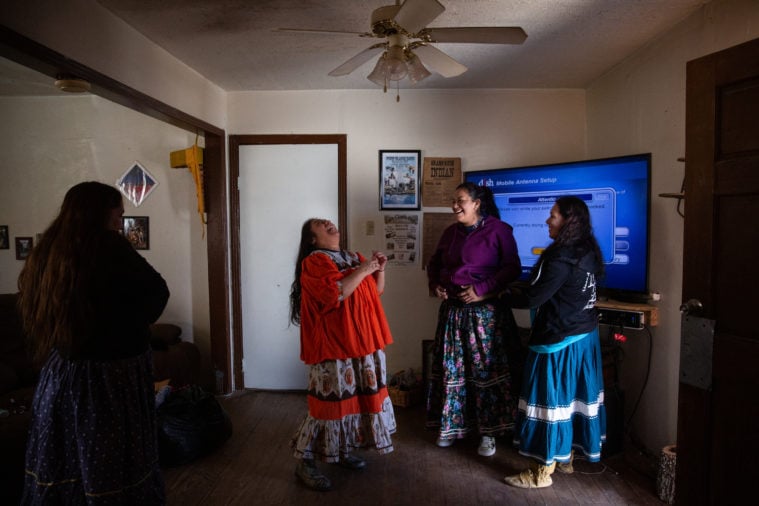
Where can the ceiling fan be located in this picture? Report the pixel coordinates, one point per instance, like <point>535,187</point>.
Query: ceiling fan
<point>408,49</point>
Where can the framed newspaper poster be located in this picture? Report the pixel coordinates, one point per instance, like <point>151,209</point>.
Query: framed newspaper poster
<point>399,179</point>
<point>440,177</point>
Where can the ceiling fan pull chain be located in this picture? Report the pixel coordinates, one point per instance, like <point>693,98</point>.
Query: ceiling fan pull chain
<point>398,91</point>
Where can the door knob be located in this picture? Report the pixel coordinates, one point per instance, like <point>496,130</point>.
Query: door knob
<point>692,307</point>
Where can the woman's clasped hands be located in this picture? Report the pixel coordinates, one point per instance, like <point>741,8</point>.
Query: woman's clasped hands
<point>380,259</point>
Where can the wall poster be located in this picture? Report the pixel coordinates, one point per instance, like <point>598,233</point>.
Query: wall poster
<point>434,224</point>
<point>401,243</point>
<point>399,179</point>
<point>440,177</point>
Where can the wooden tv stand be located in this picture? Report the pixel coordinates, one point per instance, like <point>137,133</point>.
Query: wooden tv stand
<point>650,313</point>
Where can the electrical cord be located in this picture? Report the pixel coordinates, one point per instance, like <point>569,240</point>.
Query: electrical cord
<point>604,467</point>
<point>645,381</point>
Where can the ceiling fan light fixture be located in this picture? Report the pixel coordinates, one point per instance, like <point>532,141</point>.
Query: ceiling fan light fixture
<point>396,64</point>
<point>404,26</point>
<point>379,74</point>
<point>416,71</point>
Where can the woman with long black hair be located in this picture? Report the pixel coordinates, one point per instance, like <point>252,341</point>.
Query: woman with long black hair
<point>335,298</point>
<point>470,389</point>
<point>86,299</point>
<point>561,407</point>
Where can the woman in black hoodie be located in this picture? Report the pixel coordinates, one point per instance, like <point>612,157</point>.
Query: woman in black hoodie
<point>561,406</point>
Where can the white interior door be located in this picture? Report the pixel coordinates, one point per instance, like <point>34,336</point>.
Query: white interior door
<point>281,186</point>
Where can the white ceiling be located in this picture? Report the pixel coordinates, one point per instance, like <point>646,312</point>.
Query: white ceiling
<point>234,43</point>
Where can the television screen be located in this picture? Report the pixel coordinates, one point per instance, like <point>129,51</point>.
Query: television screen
<point>617,192</point>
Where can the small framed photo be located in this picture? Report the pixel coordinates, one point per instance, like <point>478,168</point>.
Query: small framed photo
<point>137,230</point>
<point>399,179</point>
<point>5,242</point>
<point>23,247</point>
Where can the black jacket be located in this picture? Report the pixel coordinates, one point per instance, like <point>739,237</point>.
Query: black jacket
<point>562,287</point>
<point>127,294</point>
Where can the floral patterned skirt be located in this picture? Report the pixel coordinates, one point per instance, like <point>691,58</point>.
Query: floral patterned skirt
<point>470,388</point>
<point>348,408</point>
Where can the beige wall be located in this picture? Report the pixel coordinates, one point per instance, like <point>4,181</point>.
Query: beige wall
<point>51,143</point>
<point>639,106</point>
<point>487,129</point>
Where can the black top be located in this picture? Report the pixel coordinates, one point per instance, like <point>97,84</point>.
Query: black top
<point>127,295</point>
<point>562,287</point>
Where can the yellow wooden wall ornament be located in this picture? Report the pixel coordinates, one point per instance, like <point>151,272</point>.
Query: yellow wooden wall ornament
<point>192,159</point>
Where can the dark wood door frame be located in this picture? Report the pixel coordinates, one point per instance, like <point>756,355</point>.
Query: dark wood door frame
<point>235,141</point>
<point>29,53</point>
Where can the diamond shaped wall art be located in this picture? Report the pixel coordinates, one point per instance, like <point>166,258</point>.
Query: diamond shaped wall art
<point>136,184</point>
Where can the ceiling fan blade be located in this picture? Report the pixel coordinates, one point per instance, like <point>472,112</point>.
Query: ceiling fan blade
<point>438,61</point>
<point>477,35</point>
<point>329,32</point>
<point>416,14</point>
<point>358,60</point>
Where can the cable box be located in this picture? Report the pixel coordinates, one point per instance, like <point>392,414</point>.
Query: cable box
<point>621,318</point>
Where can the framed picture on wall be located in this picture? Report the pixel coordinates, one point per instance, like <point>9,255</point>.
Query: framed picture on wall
<point>5,242</point>
<point>399,179</point>
<point>136,183</point>
<point>23,247</point>
<point>136,229</point>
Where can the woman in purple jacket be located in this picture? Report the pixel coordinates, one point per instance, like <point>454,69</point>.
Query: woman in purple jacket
<point>470,384</point>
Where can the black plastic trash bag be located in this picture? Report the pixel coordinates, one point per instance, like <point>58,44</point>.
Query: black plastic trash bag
<point>191,424</point>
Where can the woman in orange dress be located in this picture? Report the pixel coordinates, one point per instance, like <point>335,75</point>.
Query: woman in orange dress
<point>343,332</point>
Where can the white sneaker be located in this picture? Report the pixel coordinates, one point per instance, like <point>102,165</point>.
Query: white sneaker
<point>487,446</point>
<point>444,443</point>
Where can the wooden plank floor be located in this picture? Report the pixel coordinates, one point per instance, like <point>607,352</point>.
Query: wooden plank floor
<point>255,467</point>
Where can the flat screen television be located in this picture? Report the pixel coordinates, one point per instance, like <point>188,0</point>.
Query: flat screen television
<point>617,191</point>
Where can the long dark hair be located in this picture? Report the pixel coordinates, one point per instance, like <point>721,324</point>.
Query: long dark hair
<point>305,248</point>
<point>54,300</point>
<point>577,231</point>
<point>484,195</point>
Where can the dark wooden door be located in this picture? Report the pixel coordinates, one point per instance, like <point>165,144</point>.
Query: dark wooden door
<point>718,421</point>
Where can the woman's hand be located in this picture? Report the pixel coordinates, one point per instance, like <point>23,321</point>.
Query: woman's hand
<point>381,260</point>
<point>467,295</point>
<point>441,292</point>
<point>369,266</point>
